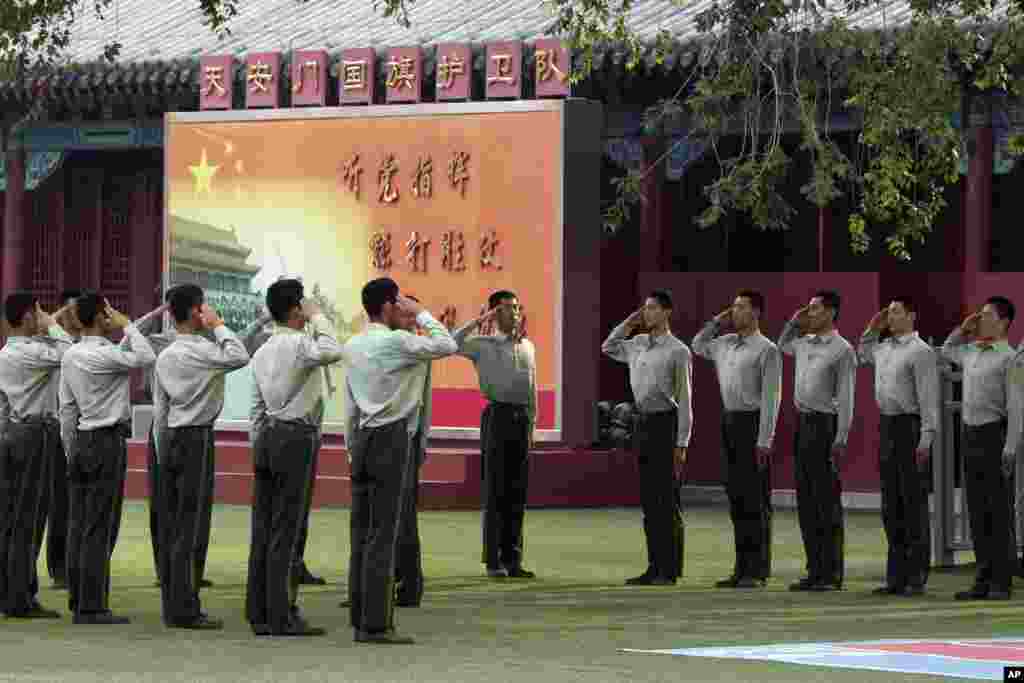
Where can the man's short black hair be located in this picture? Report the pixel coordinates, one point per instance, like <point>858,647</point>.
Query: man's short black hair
<point>501,295</point>
<point>755,297</point>
<point>378,292</point>
<point>282,297</point>
<point>1004,307</point>
<point>69,294</point>
<point>89,304</point>
<point>830,299</point>
<point>17,305</point>
<point>183,299</point>
<point>663,297</point>
<point>906,302</point>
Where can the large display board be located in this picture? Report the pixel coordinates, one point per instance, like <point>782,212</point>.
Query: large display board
<point>452,201</point>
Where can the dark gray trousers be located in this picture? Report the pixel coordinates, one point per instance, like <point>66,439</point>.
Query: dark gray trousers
<point>96,473</point>
<point>153,475</point>
<point>654,443</point>
<point>24,479</point>
<point>185,497</point>
<point>56,511</point>
<point>381,466</point>
<point>505,441</point>
<point>905,513</point>
<point>283,456</point>
<point>819,497</point>
<point>990,497</point>
<point>300,547</point>
<point>749,489</point>
<point>408,558</point>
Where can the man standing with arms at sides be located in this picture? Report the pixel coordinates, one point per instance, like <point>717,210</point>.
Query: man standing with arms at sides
<point>188,396</point>
<point>507,366</point>
<point>907,392</point>
<point>383,402</point>
<point>95,412</point>
<point>29,443</point>
<point>992,423</point>
<point>254,336</point>
<point>749,368</point>
<point>823,390</point>
<point>661,375</point>
<point>287,414</point>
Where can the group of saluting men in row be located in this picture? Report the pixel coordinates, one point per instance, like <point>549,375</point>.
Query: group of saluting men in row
<point>59,396</point>
<point>749,369</point>
<point>65,413</point>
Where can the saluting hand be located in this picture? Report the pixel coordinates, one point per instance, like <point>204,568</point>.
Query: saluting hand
<point>970,324</point>
<point>117,319</point>
<point>211,319</point>
<point>724,318</point>
<point>880,321</point>
<point>635,320</point>
<point>43,319</point>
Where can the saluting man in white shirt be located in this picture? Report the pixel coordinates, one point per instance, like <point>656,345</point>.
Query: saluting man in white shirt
<point>384,399</point>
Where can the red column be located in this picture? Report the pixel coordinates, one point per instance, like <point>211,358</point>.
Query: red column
<point>824,238</point>
<point>14,238</point>
<point>656,233</point>
<point>978,204</point>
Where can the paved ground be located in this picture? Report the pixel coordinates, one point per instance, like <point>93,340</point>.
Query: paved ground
<point>566,626</point>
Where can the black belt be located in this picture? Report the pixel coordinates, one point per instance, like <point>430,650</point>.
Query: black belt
<point>511,406</point>
<point>36,420</point>
<point>657,414</point>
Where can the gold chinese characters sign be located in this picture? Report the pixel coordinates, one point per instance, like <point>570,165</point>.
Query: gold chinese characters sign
<point>452,207</point>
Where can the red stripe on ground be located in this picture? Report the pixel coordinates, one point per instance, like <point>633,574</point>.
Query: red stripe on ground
<point>1003,652</point>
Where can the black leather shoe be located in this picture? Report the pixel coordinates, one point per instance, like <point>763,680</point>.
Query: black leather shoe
<point>307,578</point>
<point>261,629</point>
<point>826,587</point>
<point>105,618</point>
<point>750,582</point>
<point>34,612</point>
<point>914,591</point>
<point>200,623</point>
<point>999,594</point>
<point>727,583</point>
<point>975,592</point>
<point>520,573</point>
<point>406,602</point>
<point>804,584</point>
<point>642,580</point>
<point>300,630</point>
<point>499,573</point>
<point>889,590</point>
<point>382,638</point>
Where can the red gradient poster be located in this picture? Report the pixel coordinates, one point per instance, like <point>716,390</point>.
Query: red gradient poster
<point>452,201</point>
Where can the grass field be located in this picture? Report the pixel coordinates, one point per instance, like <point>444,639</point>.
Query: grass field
<point>565,626</point>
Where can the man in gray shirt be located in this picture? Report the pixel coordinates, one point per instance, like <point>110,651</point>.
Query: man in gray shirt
<point>661,375</point>
<point>189,395</point>
<point>507,366</point>
<point>29,441</point>
<point>907,393</point>
<point>287,415</point>
<point>749,368</point>
<point>826,367</point>
<point>95,416</point>
<point>992,416</point>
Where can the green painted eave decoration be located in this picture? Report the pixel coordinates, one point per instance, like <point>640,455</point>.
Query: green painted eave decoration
<point>38,167</point>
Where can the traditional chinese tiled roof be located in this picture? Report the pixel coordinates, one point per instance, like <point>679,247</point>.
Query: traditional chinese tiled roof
<point>162,41</point>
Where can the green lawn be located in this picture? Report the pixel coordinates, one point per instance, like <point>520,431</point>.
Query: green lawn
<point>566,626</point>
